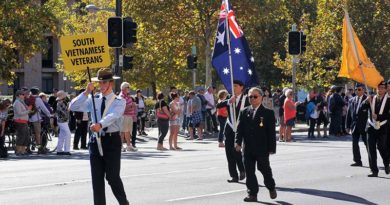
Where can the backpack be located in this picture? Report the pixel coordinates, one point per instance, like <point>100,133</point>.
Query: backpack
<point>309,110</point>
<point>31,101</point>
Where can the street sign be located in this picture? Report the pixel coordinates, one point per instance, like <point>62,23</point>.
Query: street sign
<point>82,51</point>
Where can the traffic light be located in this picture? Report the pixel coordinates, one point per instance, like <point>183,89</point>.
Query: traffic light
<point>192,62</point>
<point>195,62</point>
<point>303,42</point>
<point>294,42</point>
<point>129,32</point>
<point>115,37</point>
<point>127,62</point>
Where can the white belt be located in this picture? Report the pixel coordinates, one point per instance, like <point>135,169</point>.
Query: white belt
<point>376,124</point>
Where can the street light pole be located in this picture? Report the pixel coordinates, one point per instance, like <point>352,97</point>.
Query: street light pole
<point>295,62</point>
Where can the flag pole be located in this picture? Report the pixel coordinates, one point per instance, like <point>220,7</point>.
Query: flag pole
<point>234,123</point>
<point>349,31</point>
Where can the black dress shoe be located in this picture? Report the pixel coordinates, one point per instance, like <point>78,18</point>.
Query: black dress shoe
<point>233,180</point>
<point>76,148</point>
<point>273,194</point>
<point>373,175</point>
<point>250,198</point>
<point>387,170</point>
<point>357,164</point>
<point>242,176</point>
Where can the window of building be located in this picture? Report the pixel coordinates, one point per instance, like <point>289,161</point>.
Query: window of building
<point>47,82</point>
<point>47,54</point>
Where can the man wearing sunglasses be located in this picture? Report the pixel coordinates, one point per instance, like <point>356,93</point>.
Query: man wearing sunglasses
<point>357,116</point>
<point>257,130</point>
<point>378,128</point>
<point>234,158</point>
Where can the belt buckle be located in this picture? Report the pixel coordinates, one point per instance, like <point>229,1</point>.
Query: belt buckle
<point>377,125</point>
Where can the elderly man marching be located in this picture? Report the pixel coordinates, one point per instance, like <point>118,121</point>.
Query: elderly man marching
<point>109,112</point>
<point>256,134</point>
<point>378,127</point>
<point>356,122</point>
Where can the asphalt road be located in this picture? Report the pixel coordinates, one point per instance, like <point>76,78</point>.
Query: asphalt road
<point>306,172</point>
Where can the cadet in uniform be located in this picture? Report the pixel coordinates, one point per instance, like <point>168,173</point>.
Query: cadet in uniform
<point>256,130</point>
<point>234,158</point>
<point>109,112</point>
<point>378,128</point>
<point>357,116</point>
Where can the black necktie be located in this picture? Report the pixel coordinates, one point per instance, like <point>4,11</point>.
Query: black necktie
<point>102,107</point>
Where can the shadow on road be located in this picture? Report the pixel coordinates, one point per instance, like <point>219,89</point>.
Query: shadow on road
<point>328,194</point>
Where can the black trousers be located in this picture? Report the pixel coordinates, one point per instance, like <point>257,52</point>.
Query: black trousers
<point>107,166</point>
<point>335,123</point>
<point>134,134</point>
<point>312,123</point>
<point>141,121</point>
<point>234,158</point>
<point>222,123</point>
<point>81,133</point>
<point>264,167</point>
<point>355,144</point>
<point>377,138</point>
<point>211,117</point>
<point>163,127</point>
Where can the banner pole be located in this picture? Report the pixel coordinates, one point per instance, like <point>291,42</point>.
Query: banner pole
<point>234,123</point>
<point>98,140</point>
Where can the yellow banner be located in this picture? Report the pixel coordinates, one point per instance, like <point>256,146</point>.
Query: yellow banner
<point>82,51</point>
<point>355,64</point>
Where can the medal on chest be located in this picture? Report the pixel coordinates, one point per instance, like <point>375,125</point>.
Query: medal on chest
<point>261,122</point>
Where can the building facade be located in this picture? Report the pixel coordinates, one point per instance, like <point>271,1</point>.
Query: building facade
<point>40,71</point>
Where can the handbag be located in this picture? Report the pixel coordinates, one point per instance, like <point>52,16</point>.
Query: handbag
<point>161,115</point>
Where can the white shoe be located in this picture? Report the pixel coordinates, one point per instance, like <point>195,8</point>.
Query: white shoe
<point>131,149</point>
<point>123,149</point>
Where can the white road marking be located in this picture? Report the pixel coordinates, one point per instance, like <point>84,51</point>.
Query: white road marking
<point>88,180</point>
<point>205,195</point>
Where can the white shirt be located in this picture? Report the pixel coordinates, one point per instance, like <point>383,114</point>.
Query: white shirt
<point>359,101</point>
<point>210,99</point>
<point>254,111</point>
<point>141,103</point>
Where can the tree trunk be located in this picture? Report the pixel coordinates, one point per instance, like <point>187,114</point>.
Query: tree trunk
<point>154,89</point>
<point>208,81</point>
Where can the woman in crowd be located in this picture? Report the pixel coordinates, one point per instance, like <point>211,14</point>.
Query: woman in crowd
<point>140,100</point>
<point>63,145</point>
<point>267,99</point>
<point>163,116</point>
<point>175,121</point>
<point>322,115</point>
<point>127,123</point>
<point>312,115</point>
<point>21,111</point>
<point>222,114</point>
<point>290,110</point>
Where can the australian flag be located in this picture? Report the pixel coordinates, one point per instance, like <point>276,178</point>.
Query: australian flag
<point>242,59</point>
